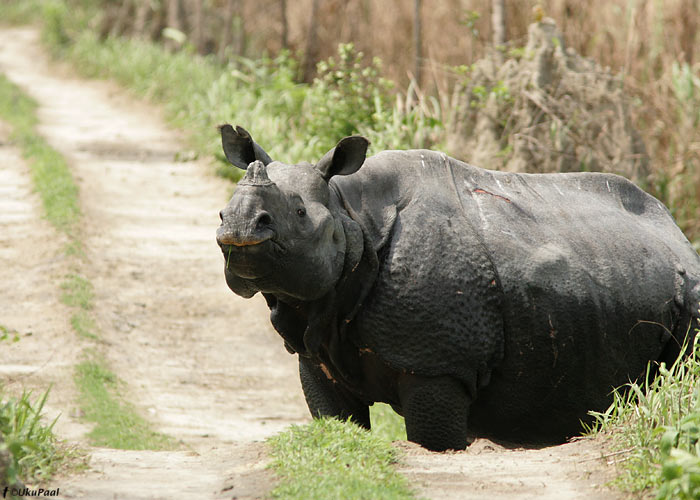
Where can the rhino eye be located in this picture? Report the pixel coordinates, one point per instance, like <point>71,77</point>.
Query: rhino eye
<point>301,212</point>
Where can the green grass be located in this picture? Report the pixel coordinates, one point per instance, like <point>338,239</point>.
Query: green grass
<point>23,12</point>
<point>117,424</point>
<point>50,173</point>
<point>655,426</point>
<point>34,453</point>
<point>84,325</point>
<point>8,334</point>
<point>77,292</point>
<point>386,423</point>
<point>329,459</point>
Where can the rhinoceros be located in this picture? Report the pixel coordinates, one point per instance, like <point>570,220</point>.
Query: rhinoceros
<point>472,301</point>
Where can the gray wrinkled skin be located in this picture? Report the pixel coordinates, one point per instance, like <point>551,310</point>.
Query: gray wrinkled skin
<point>506,304</point>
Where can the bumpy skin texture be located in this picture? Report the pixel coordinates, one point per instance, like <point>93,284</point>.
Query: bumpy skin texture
<point>511,303</point>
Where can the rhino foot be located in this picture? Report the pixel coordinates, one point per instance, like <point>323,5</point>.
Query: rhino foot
<point>435,409</point>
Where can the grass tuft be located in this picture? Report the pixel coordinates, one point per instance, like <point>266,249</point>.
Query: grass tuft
<point>28,448</point>
<point>332,459</point>
<point>84,325</point>
<point>77,292</point>
<point>117,425</point>
<point>8,334</point>
<point>655,425</point>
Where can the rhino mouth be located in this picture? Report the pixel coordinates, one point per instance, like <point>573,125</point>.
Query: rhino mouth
<point>252,260</point>
<point>248,243</point>
<point>231,248</point>
<point>228,239</point>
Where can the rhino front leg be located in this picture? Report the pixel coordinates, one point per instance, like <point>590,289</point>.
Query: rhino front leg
<point>435,409</point>
<point>326,399</point>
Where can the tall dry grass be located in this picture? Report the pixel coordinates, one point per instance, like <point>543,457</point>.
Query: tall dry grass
<point>639,37</point>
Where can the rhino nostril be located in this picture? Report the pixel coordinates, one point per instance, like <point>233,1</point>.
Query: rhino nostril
<point>221,215</point>
<point>264,220</point>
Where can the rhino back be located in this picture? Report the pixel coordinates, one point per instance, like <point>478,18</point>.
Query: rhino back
<point>593,272</point>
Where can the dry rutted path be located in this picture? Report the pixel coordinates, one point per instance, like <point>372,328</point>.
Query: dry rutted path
<point>202,365</point>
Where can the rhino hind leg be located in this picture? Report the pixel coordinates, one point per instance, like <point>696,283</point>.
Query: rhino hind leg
<point>326,399</point>
<point>435,409</point>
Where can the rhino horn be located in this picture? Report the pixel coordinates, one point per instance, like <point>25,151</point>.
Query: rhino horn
<point>256,175</point>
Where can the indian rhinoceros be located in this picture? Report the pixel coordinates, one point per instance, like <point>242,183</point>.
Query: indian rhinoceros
<point>514,302</point>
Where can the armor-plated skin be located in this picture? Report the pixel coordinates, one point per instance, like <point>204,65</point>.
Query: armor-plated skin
<point>513,303</point>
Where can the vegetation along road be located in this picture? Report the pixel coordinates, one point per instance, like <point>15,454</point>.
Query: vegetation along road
<point>198,370</point>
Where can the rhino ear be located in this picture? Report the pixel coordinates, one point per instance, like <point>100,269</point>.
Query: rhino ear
<point>345,158</point>
<point>239,147</point>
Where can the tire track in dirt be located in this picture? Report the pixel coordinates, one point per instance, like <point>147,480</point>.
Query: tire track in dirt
<point>203,365</point>
<point>31,263</point>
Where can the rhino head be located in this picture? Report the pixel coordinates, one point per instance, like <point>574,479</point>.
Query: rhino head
<point>282,233</point>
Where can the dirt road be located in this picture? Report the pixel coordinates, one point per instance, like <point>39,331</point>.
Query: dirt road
<point>202,364</point>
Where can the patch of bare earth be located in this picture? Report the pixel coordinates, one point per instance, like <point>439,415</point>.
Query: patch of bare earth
<point>202,364</point>
<point>488,471</point>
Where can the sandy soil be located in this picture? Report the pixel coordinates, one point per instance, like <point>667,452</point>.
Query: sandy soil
<point>485,470</point>
<point>201,363</point>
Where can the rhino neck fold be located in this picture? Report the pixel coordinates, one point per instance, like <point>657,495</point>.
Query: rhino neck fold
<point>325,336</point>
<point>318,329</point>
<point>359,272</point>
